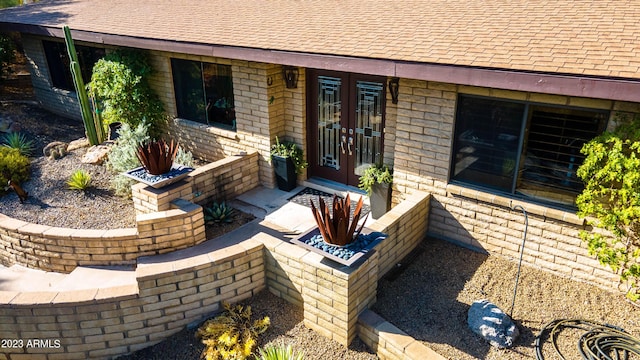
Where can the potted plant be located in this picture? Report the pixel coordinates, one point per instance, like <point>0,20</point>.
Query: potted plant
<point>288,162</point>
<point>376,181</point>
<point>158,169</point>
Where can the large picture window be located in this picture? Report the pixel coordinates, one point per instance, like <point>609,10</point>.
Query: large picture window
<point>528,150</point>
<point>204,92</point>
<point>58,62</point>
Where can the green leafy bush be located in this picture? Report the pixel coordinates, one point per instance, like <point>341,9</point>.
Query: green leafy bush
<point>611,200</point>
<point>290,150</point>
<point>79,180</point>
<point>232,335</point>
<point>375,174</point>
<point>122,156</point>
<point>184,157</point>
<point>279,352</point>
<point>218,213</point>
<point>119,83</point>
<point>13,165</point>
<point>19,141</point>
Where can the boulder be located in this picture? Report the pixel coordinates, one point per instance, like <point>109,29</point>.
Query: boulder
<point>96,154</point>
<point>55,150</point>
<point>5,124</point>
<point>78,144</point>
<point>488,321</point>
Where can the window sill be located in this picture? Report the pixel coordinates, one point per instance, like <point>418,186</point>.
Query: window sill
<point>229,134</point>
<point>498,200</point>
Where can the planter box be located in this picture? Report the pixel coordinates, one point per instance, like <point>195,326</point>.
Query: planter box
<point>285,172</point>
<point>177,173</point>
<point>380,199</point>
<point>359,255</point>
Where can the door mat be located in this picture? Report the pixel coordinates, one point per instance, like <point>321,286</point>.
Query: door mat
<point>307,195</point>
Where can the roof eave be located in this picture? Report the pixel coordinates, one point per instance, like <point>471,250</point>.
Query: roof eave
<point>546,83</point>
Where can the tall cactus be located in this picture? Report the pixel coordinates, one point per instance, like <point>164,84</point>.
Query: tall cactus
<point>92,121</point>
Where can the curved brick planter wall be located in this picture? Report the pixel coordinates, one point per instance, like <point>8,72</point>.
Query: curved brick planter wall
<point>100,323</point>
<point>165,222</point>
<point>63,249</point>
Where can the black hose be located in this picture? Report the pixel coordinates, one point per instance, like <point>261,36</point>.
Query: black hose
<point>599,341</point>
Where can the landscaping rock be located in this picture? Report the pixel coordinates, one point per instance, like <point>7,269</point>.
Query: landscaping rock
<point>5,124</point>
<point>96,154</point>
<point>55,150</point>
<point>488,321</point>
<point>78,144</point>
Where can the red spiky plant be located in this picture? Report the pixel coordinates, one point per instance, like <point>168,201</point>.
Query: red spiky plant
<point>338,229</point>
<point>157,156</point>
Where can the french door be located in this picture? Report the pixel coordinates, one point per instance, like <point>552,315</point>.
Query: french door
<point>346,124</point>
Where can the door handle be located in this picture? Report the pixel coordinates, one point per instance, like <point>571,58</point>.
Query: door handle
<point>349,145</point>
<point>344,140</point>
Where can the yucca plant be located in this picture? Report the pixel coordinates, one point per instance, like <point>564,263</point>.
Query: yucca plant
<point>79,180</point>
<point>279,352</point>
<point>218,213</point>
<point>157,156</point>
<point>232,335</point>
<point>338,229</point>
<point>19,141</point>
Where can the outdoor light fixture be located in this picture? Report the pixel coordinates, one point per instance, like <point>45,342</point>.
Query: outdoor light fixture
<point>290,76</point>
<point>394,85</point>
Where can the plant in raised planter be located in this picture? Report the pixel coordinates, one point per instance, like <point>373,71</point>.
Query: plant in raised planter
<point>288,162</point>
<point>336,226</point>
<point>376,181</point>
<point>158,168</point>
<point>218,213</point>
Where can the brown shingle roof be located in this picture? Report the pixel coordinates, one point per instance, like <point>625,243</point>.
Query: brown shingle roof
<point>599,38</point>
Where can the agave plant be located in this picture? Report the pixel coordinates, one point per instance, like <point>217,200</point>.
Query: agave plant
<point>157,156</point>
<point>340,229</point>
<point>218,213</point>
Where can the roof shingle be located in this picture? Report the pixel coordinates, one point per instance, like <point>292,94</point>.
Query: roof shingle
<point>599,38</point>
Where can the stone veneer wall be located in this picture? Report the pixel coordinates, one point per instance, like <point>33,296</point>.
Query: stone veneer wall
<point>62,249</point>
<point>423,146</point>
<point>102,323</point>
<point>333,295</point>
<point>224,179</point>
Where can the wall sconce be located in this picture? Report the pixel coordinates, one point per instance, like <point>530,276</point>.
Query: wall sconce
<point>290,76</point>
<point>394,85</point>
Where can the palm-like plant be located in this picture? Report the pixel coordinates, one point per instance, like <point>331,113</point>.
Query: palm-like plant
<point>338,229</point>
<point>157,156</point>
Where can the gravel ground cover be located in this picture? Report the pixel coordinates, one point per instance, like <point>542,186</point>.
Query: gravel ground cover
<point>431,298</point>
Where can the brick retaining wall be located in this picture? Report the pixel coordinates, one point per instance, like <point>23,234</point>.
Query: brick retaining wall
<point>63,249</point>
<point>305,279</point>
<point>106,322</point>
<point>220,180</point>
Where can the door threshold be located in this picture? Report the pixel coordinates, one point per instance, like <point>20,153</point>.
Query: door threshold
<point>334,187</point>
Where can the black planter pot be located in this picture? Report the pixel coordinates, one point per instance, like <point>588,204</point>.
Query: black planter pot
<point>380,199</point>
<point>285,172</point>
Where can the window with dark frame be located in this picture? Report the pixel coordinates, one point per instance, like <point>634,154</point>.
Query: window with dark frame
<point>204,92</point>
<point>58,62</point>
<point>523,149</point>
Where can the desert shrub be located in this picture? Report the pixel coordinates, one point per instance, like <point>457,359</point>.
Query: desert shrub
<point>119,83</point>
<point>611,200</point>
<point>122,156</point>
<point>13,165</point>
<point>79,180</point>
<point>184,157</point>
<point>19,141</point>
<point>279,352</point>
<point>231,335</point>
